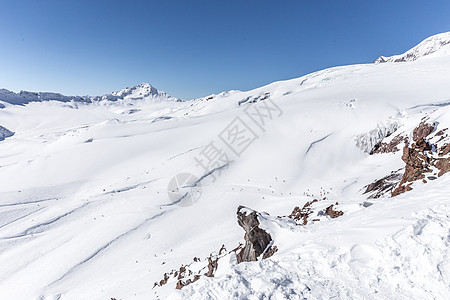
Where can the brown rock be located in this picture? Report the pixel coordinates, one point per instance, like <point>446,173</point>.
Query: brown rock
<point>256,239</point>
<point>212,266</point>
<point>419,157</point>
<point>390,147</point>
<point>298,214</point>
<point>384,185</point>
<point>422,131</point>
<point>329,211</point>
<point>443,164</point>
<point>444,150</point>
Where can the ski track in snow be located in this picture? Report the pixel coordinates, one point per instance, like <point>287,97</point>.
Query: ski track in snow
<point>104,247</point>
<point>28,202</point>
<point>38,228</point>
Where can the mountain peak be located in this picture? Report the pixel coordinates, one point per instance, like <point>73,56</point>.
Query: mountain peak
<point>141,91</point>
<point>436,45</point>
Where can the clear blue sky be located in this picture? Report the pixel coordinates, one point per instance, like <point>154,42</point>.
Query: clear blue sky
<point>192,48</point>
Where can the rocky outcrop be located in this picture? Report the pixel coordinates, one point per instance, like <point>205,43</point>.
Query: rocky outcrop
<point>212,265</point>
<point>181,284</point>
<point>332,213</point>
<point>193,271</point>
<point>302,214</point>
<point>443,165</point>
<point>422,156</point>
<point>390,147</point>
<point>383,186</point>
<point>257,241</point>
<point>4,133</point>
<point>421,132</point>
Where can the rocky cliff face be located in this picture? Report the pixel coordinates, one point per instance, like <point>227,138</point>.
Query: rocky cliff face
<point>416,157</point>
<point>425,154</point>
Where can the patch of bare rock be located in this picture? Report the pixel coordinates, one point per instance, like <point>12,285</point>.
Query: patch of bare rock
<point>426,156</point>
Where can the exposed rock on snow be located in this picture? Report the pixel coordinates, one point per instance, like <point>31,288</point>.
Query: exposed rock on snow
<point>256,99</point>
<point>435,45</point>
<point>332,213</point>
<point>302,214</point>
<point>384,186</point>
<point>422,157</point>
<point>190,273</point>
<point>422,131</point>
<point>389,147</point>
<point>4,133</point>
<point>428,154</point>
<point>183,276</point>
<point>212,265</point>
<point>257,241</point>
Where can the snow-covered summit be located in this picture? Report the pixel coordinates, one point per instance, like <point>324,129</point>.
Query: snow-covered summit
<point>436,45</point>
<point>143,91</point>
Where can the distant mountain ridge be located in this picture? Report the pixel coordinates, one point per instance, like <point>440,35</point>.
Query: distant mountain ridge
<point>435,45</point>
<point>143,91</point>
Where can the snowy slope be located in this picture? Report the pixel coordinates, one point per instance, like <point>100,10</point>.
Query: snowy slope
<point>85,211</point>
<point>436,45</point>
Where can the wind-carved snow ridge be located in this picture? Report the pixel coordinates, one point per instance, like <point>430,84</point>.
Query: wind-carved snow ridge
<point>367,141</point>
<point>4,133</point>
<point>437,45</point>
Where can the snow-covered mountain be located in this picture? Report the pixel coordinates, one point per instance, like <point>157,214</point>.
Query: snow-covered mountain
<point>336,183</point>
<point>436,45</point>
<point>139,92</point>
<point>143,91</point>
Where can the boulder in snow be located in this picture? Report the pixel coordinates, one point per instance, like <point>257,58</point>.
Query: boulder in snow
<point>4,133</point>
<point>257,241</point>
